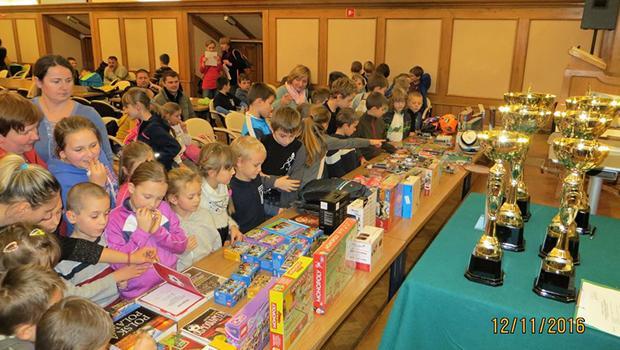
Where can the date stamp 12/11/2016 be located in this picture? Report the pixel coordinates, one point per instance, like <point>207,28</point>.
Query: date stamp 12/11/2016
<point>538,325</point>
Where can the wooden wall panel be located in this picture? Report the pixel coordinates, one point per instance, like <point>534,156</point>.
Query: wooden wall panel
<point>290,50</point>
<point>8,39</point>
<point>28,40</point>
<point>165,40</point>
<point>349,40</point>
<point>481,58</point>
<point>136,39</point>
<point>110,39</point>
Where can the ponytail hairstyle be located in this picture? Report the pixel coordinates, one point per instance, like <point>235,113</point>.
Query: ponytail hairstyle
<point>20,181</point>
<point>149,171</point>
<point>23,244</point>
<point>131,155</point>
<point>70,125</point>
<point>215,156</point>
<point>312,131</point>
<point>136,95</point>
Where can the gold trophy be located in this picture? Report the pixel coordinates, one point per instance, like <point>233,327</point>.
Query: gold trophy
<point>556,279</point>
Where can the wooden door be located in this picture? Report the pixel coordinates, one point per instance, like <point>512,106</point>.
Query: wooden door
<point>254,53</point>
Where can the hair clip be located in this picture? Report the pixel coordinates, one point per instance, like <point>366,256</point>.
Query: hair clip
<point>23,166</point>
<point>37,232</point>
<point>11,247</point>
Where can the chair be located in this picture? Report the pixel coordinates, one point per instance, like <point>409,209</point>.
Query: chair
<point>81,100</point>
<point>428,110</point>
<point>197,127</point>
<point>234,122</point>
<point>105,109</point>
<point>215,115</point>
<point>23,73</point>
<point>23,92</point>
<point>113,139</point>
<point>4,73</point>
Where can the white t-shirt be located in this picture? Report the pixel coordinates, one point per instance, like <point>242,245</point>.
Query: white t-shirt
<point>395,130</point>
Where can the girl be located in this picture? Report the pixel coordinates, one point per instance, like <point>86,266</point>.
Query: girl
<point>360,82</point>
<point>172,114</point>
<point>132,155</point>
<point>153,130</point>
<point>216,168</point>
<point>211,69</point>
<point>78,150</point>
<point>144,220</point>
<point>295,90</point>
<point>184,192</point>
<point>398,118</point>
<point>309,162</point>
<point>53,76</point>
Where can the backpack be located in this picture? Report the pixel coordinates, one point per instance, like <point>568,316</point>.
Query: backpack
<point>243,61</point>
<point>310,195</point>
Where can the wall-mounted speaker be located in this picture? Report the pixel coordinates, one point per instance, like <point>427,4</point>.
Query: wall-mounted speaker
<point>600,14</point>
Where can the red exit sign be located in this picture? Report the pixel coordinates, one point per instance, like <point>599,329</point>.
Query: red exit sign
<point>350,12</point>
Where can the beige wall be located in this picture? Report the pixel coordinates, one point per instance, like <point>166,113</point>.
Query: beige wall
<point>8,39</point>
<point>65,45</point>
<point>110,39</point>
<point>137,44</point>
<point>28,40</point>
<point>291,51</point>
<point>349,40</point>
<point>165,41</point>
<point>413,42</point>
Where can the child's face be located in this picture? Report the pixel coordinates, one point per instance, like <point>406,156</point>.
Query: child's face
<point>92,217</point>
<point>47,215</point>
<point>226,88</point>
<point>344,102</point>
<point>20,141</point>
<point>349,129</point>
<point>132,111</point>
<point>250,167</point>
<point>28,332</point>
<point>147,194</point>
<point>188,198</point>
<point>359,84</point>
<point>284,138</point>
<point>211,47</point>
<point>81,148</point>
<point>378,112</point>
<point>174,118</point>
<point>414,103</point>
<point>245,84</point>
<point>223,175</point>
<point>263,107</point>
<point>399,105</point>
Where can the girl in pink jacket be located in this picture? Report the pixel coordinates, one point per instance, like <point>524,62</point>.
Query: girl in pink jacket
<point>144,220</point>
<point>211,69</point>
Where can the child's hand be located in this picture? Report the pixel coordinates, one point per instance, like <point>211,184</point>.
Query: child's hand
<point>144,342</point>
<point>286,99</point>
<point>97,173</point>
<point>156,220</point>
<point>192,243</point>
<point>128,272</point>
<point>227,62</point>
<point>145,219</point>
<point>183,126</point>
<point>376,142</point>
<point>286,184</point>
<point>144,255</point>
<point>235,234</point>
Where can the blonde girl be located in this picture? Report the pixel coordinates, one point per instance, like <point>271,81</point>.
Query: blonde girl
<point>132,155</point>
<point>172,114</point>
<point>184,192</point>
<point>216,167</point>
<point>145,220</point>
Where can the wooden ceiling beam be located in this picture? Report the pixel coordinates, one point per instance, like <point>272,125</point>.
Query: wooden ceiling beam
<point>242,28</point>
<point>207,28</point>
<point>64,27</point>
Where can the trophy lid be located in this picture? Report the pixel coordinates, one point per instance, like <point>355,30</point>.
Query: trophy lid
<point>530,99</point>
<point>579,155</point>
<point>582,124</point>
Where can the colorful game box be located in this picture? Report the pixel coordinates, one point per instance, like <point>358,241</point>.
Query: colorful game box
<point>290,305</point>
<point>279,254</point>
<point>366,247</point>
<point>429,176</point>
<point>245,273</point>
<point>307,219</point>
<point>229,293</point>
<point>249,328</point>
<point>254,236</point>
<point>179,342</point>
<point>389,202</point>
<point>127,327</point>
<point>206,327</point>
<point>411,190</point>
<point>364,209</point>
<point>259,282</point>
<point>254,254</point>
<point>266,263</point>
<point>332,270</point>
<point>272,240</point>
<point>235,251</point>
<point>285,227</point>
<point>311,234</point>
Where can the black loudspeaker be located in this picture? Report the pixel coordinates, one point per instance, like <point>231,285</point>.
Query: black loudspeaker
<point>600,14</point>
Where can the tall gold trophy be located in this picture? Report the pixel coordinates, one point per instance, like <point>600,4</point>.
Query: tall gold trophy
<point>485,264</point>
<point>556,279</point>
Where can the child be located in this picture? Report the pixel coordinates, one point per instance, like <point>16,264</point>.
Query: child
<point>248,187</point>
<point>309,161</point>
<point>224,102</point>
<point>360,83</point>
<point>371,124</point>
<point>133,155</point>
<point>153,130</point>
<point>79,152</point>
<point>333,76</point>
<point>145,220</point>
<point>320,95</point>
<point>171,112</point>
<point>88,206</point>
<point>241,93</point>
<point>211,69</point>
<point>260,97</point>
<point>369,69</point>
<point>376,83</point>
<point>26,292</point>
<point>383,69</point>
<point>216,168</point>
<point>398,118</point>
<point>401,81</point>
<point>415,102</point>
<point>356,67</point>
<point>342,161</point>
<point>184,190</point>
<point>340,96</point>
<point>420,82</point>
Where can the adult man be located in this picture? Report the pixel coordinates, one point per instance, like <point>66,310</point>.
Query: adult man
<point>114,70</point>
<point>171,92</point>
<point>143,81</point>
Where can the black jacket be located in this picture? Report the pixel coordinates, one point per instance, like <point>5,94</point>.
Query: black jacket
<point>157,133</point>
<point>407,118</point>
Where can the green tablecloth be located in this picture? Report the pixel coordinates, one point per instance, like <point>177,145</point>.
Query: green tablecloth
<point>438,308</point>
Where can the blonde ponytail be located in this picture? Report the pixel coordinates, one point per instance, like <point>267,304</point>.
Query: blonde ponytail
<point>20,181</point>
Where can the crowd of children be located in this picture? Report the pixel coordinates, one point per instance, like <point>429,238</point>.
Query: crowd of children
<point>76,235</point>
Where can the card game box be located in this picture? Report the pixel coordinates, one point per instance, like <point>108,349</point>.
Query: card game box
<point>235,251</point>
<point>245,273</point>
<point>272,240</point>
<point>254,236</point>
<point>411,189</point>
<point>229,293</point>
<point>311,234</point>
<point>290,305</point>
<point>332,270</point>
<point>285,227</point>
<point>254,254</point>
<point>279,254</point>
<point>389,202</point>
<point>266,263</point>
<point>364,209</point>
<point>366,247</point>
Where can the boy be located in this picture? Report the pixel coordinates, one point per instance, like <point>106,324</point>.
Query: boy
<point>25,293</point>
<point>88,206</point>
<point>242,90</point>
<point>248,187</point>
<point>342,161</point>
<point>340,96</point>
<point>223,101</point>
<point>260,97</point>
<point>356,67</point>
<point>376,83</point>
<point>164,61</point>
<point>420,82</point>
<point>171,92</point>
<point>320,96</point>
<point>371,124</point>
<point>414,104</point>
<point>398,119</point>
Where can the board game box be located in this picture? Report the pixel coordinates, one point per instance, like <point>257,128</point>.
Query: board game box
<point>285,227</point>
<point>389,202</point>
<point>366,247</point>
<point>206,327</point>
<point>364,209</point>
<point>245,273</point>
<point>229,293</point>
<point>126,328</point>
<point>177,341</point>
<point>254,236</point>
<point>235,251</point>
<point>254,254</point>
<point>411,191</point>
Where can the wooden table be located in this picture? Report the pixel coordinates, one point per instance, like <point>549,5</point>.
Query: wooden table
<point>395,243</point>
<point>79,91</point>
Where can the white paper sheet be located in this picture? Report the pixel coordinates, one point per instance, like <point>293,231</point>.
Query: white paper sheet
<point>600,307</point>
<point>171,299</point>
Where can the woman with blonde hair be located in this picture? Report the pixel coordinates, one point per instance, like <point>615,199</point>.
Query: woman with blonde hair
<point>295,90</point>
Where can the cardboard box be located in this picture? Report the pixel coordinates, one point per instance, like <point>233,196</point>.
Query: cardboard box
<point>366,247</point>
<point>290,305</point>
<point>411,191</point>
<point>233,252</point>
<point>333,210</point>
<point>245,273</point>
<point>364,210</point>
<point>389,202</point>
<point>229,293</point>
<point>254,254</point>
<point>332,270</point>
<point>429,176</point>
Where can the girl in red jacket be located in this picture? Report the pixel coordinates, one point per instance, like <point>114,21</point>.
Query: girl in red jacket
<point>211,69</point>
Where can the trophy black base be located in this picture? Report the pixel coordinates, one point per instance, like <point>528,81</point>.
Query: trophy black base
<point>583,223</point>
<point>485,271</point>
<point>524,206</point>
<point>511,238</point>
<point>554,286</point>
<point>549,244</point>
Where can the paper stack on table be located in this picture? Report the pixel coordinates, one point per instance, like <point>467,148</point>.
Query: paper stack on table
<point>600,307</point>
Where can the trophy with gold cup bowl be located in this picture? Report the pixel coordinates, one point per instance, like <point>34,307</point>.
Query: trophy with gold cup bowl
<point>485,264</point>
<point>556,279</point>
